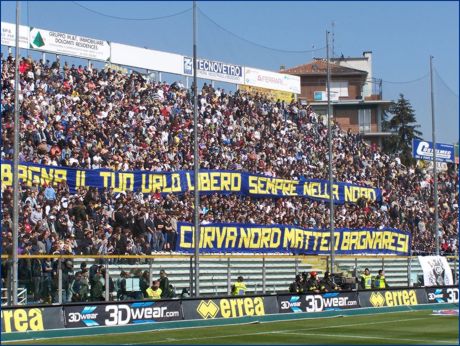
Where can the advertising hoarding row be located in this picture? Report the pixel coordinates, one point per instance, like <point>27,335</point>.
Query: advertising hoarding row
<point>101,50</point>
<point>24,319</point>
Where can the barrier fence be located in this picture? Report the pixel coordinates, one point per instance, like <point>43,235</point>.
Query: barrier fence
<point>41,318</point>
<point>262,274</point>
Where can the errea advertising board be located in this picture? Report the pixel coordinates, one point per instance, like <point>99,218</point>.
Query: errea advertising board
<point>69,44</point>
<point>423,150</point>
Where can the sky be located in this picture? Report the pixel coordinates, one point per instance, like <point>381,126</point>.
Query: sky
<point>267,35</point>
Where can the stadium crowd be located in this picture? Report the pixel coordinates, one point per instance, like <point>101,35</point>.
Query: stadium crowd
<point>89,118</point>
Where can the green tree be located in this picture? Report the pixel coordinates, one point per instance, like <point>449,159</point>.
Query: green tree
<point>402,123</point>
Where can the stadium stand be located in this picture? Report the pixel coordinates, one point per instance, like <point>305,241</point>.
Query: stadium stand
<point>89,118</point>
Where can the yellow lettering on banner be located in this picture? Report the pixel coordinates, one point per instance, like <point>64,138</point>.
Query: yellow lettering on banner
<point>245,238</point>
<point>230,241</point>
<point>265,241</point>
<point>105,178</point>
<point>7,175</point>
<point>252,181</point>
<point>298,238</point>
<point>80,178</point>
<point>275,243</point>
<point>403,242</point>
<point>207,236</point>
<point>190,186</point>
<point>23,175</point>
<point>336,241</point>
<point>204,182</point>
<point>221,235</point>
<point>354,240</point>
<point>335,191</point>
<point>346,241</point>
<point>324,243</point>
<point>289,238</point>
<point>33,174</point>
<point>255,238</point>
<point>175,181</point>
<point>353,193</point>
<point>183,243</point>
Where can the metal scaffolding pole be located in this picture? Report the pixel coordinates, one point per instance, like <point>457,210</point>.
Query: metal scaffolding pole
<point>435,173</point>
<point>15,165</point>
<point>331,178</point>
<point>196,160</point>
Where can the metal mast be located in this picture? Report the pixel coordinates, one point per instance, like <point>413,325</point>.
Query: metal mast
<point>435,173</point>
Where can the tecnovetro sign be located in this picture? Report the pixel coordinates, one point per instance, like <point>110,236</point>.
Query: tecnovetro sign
<point>215,70</point>
<point>423,150</point>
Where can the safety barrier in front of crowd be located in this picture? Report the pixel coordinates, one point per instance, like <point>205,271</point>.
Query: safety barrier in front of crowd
<point>22,319</point>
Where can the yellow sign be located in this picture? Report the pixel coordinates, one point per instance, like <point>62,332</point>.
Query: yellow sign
<point>235,307</point>
<point>22,320</point>
<point>207,309</point>
<point>274,95</point>
<point>393,298</point>
<point>377,299</point>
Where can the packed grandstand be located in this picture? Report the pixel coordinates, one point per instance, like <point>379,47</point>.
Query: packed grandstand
<point>91,118</point>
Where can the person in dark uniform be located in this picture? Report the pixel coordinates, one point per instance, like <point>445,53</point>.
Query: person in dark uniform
<point>313,284</point>
<point>327,284</point>
<point>297,285</point>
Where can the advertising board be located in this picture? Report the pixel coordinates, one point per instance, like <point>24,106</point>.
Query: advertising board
<point>9,35</point>
<point>442,294</point>
<point>78,316</point>
<point>423,150</point>
<point>271,94</point>
<point>31,319</point>
<point>317,302</point>
<point>271,80</point>
<point>69,44</point>
<point>402,297</point>
<point>150,59</point>
<point>214,70</point>
<point>229,307</point>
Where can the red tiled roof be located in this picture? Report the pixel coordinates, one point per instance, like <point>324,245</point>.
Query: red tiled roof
<point>319,67</point>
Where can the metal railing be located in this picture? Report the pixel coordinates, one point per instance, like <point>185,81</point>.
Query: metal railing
<point>262,273</point>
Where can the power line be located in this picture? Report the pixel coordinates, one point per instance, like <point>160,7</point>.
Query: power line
<point>124,18</point>
<point>444,83</point>
<point>255,43</point>
<point>406,82</point>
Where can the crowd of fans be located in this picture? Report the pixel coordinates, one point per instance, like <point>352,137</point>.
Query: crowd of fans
<point>88,118</point>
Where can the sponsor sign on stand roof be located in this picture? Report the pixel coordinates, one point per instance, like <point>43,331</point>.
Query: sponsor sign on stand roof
<point>69,44</point>
<point>215,70</point>
<point>9,35</point>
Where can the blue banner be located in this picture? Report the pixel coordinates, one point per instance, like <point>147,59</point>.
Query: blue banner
<point>210,181</point>
<point>254,238</point>
<point>423,150</point>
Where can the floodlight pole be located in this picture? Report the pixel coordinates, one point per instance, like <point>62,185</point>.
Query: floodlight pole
<point>196,160</point>
<point>435,173</point>
<point>331,178</point>
<point>16,165</point>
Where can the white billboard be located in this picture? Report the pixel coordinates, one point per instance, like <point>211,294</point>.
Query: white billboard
<point>271,80</point>
<point>215,70</point>
<point>147,58</point>
<point>9,35</point>
<point>69,44</point>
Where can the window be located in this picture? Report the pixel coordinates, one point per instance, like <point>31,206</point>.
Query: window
<point>364,119</point>
<point>340,88</point>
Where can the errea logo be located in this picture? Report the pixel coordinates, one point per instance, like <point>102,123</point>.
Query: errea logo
<point>207,309</point>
